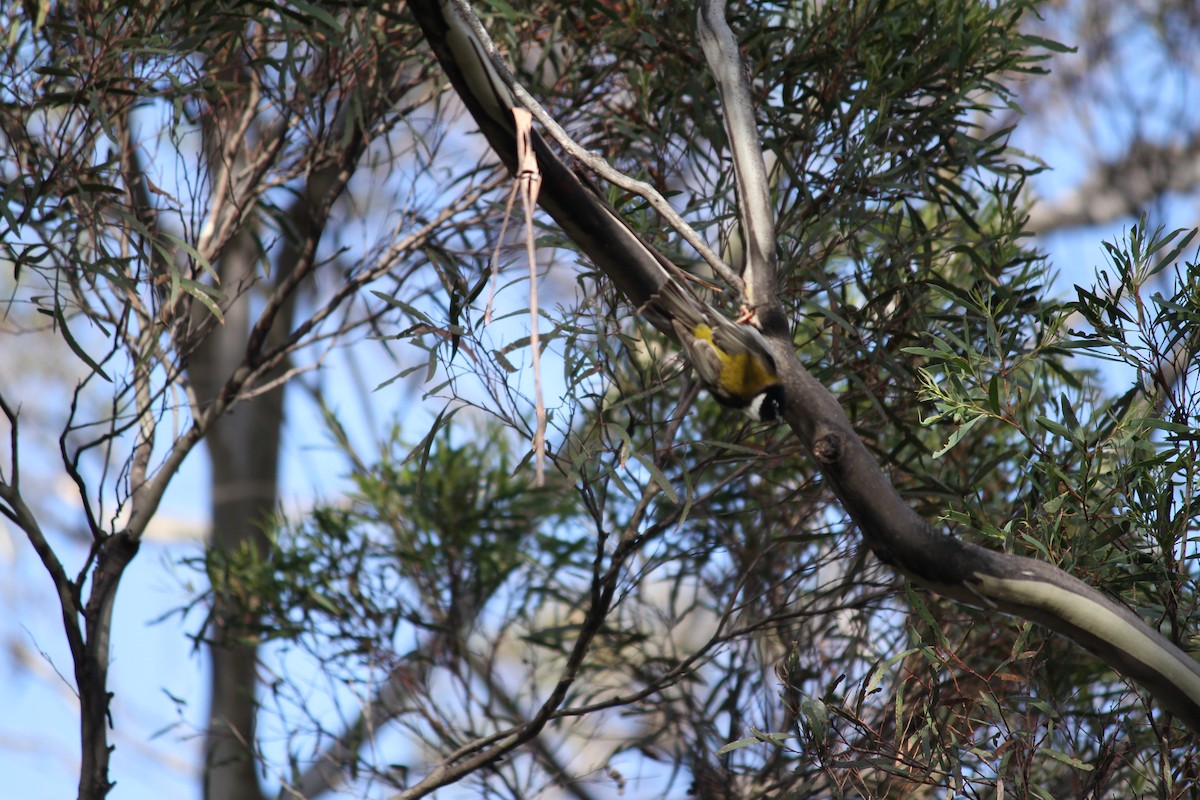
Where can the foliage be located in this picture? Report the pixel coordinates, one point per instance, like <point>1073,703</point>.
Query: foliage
<point>171,182</point>
<point>426,543</point>
<point>718,555</point>
<point>684,607</point>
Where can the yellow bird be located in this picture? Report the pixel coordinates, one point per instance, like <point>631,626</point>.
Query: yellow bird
<point>732,360</point>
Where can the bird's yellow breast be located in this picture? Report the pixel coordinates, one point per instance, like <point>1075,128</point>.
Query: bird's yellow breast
<point>742,373</point>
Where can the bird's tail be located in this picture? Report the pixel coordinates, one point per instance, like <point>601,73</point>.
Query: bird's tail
<point>673,304</point>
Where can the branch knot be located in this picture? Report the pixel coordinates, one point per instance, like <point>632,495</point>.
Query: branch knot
<point>827,448</point>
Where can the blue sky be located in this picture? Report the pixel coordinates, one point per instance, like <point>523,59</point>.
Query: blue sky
<point>159,677</point>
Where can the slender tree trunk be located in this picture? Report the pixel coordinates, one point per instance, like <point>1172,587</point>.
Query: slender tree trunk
<point>91,668</point>
<point>244,449</point>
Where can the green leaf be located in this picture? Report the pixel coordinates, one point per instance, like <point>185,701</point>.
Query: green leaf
<point>994,394</point>
<point>957,436</point>
<point>1054,427</point>
<point>1161,241</point>
<point>917,603</point>
<point>207,295</point>
<point>76,348</point>
<point>1053,505</point>
<point>318,13</point>
<point>656,475</point>
<point>407,308</point>
<point>737,745</point>
<point>1068,412</point>
<point>878,671</point>
<point>1042,43</point>
<point>1171,427</point>
<point>193,252</point>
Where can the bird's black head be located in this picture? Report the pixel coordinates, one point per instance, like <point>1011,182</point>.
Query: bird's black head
<point>767,407</point>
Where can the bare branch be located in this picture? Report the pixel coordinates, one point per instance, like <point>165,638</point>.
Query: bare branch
<point>21,515</point>
<point>755,215</point>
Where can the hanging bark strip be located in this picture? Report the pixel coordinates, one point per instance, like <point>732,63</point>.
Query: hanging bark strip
<point>529,181</point>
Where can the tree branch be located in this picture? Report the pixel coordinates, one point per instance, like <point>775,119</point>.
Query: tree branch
<point>755,216</point>
<point>492,84</point>
<point>893,530</point>
<point>1123,187</point>
<point>22,516</point>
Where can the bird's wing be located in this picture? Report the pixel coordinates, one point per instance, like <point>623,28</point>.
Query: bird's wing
<point>732,337</point>
<point>674,310</point>
<point>701,353</point>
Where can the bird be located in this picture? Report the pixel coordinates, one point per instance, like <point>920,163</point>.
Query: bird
<point>732,359</point>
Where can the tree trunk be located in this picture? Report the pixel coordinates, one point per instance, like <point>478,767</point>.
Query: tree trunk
<point>244,449</point>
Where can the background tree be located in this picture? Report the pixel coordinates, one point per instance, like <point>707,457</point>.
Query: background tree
<point>1122,104</point>
<point>701,584</point>
<point>170,181</point>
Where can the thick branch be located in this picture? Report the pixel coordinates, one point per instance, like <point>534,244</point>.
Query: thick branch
<point>1123,187</point>
<point>974,575</point>
<point>493,85</point>
<point>590,221</point>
